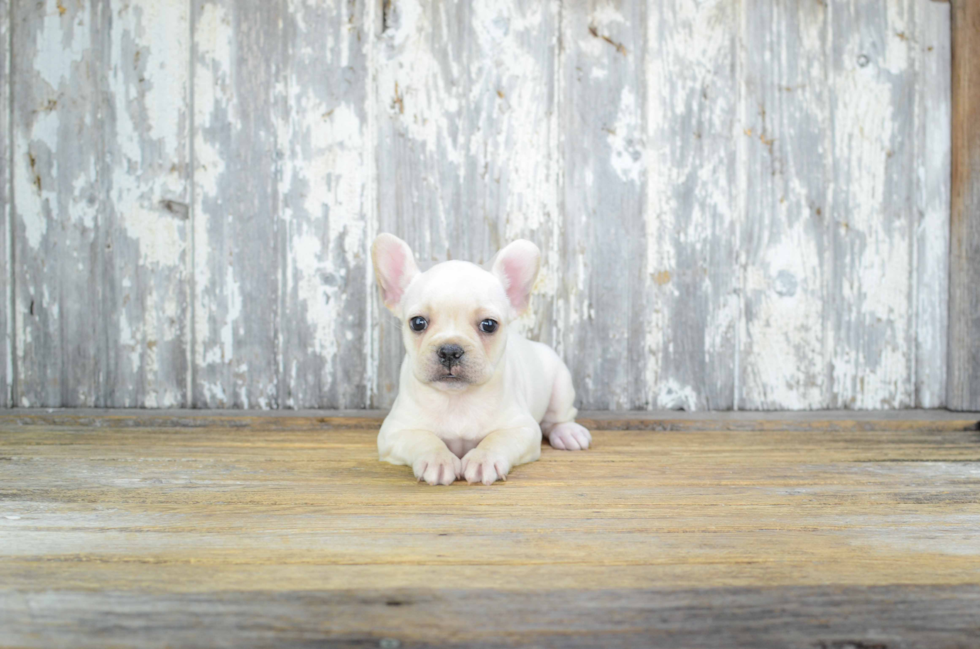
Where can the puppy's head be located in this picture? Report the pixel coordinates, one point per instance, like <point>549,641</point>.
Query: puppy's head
<point>455,316</point>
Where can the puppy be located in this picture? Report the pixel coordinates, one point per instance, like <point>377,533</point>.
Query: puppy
<point>474,395</point>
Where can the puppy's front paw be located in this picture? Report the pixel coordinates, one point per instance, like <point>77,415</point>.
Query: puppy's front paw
<point>570,437</point>
<point>482,466</point>
<point>438,467</point>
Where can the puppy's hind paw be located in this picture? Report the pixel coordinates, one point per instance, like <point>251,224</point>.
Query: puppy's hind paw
<point>570,436</point>
<point>440,467</point>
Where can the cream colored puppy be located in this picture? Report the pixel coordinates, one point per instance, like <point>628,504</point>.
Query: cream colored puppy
<point>474,395</point>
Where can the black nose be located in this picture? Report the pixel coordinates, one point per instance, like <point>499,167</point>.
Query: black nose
<point>449,355</point>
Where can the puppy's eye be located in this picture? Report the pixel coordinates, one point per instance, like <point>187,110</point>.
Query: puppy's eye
<point>418,323</point>
<point>488,326</point>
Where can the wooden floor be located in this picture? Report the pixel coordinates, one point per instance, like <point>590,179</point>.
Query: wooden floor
<point>185,530</point>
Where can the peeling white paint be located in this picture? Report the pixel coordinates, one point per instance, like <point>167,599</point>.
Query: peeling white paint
<point>129,342</point>
<point>372,335</point>
<point>783,338</point>
<point>213,40</point>
<point>214,392</point>
<point>321,302</point>
<point>898,41</point>
<point>163,33</point>
<point>476,124</point>
<point>690,206</point>
<point>932,170</point>
<point>35,150</point>
<point>233,302</point>
<point>213,35</point>
<point>325,180</point>
<point>604,19</point>
<point>61,42</point>
<point>414,88</point>
<point>877,287</point>
<point>333,170</point>
<point>671,395</point>
<point>32,205</point>
<point>148,84</point>
<point>626,139</point>
<point>6,214</point>
<point>161,238</point>
<point>157,233</point>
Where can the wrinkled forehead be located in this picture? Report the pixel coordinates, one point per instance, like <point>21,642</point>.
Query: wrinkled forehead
<point>457,285</point>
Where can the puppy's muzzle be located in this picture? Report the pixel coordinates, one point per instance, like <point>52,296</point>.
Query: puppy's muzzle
<point>450,355</point>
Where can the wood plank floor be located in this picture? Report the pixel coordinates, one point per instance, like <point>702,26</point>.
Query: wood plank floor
<point>227,530</point>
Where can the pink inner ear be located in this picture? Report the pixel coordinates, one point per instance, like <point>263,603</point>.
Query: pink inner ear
<point>392,274</point>
<point>517,287</point>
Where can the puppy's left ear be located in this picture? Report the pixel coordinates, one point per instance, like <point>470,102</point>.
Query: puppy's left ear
<point>516,266</point>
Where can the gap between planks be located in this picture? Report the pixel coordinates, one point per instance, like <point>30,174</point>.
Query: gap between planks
<point>830,420</point>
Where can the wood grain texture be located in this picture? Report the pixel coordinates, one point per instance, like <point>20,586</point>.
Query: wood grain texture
<point>871,198</point>
<point>146,284</point>
<point>819,307</point>
<point>467,137</point>
<point>786,256</point>
<point>931,50</point>
<point>964,259</point>
<point>602,145</point>
<point>685,308</point>
<point>824,617</point>
<point>325,205</point>
<point>6,227</point>
<point>61,201</point>
<point>739,205</point>
<point>650,420</point>
<point>238,113</point>
<point>298,536</point>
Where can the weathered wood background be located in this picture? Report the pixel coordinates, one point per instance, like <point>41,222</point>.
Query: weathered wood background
<point>741,205</point>
<point>964,291</point>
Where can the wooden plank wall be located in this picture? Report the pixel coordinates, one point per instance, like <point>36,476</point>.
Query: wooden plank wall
<point>964,295</point>
<point>740,205</point>
<point>6,253</point>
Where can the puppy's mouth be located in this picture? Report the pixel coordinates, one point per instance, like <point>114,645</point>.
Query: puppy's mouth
<point>449,377</point>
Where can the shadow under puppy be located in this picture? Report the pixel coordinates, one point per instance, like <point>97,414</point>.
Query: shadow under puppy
<point>474,395</point>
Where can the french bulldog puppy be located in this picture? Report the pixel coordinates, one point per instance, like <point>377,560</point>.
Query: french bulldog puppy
<point>474,395</point>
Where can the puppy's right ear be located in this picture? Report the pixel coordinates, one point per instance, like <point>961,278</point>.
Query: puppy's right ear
<point>394,268</point>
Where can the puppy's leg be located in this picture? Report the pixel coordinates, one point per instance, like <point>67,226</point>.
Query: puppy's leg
<point>559,424</point>
<point>500,451</point>
<point>430,458</point>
